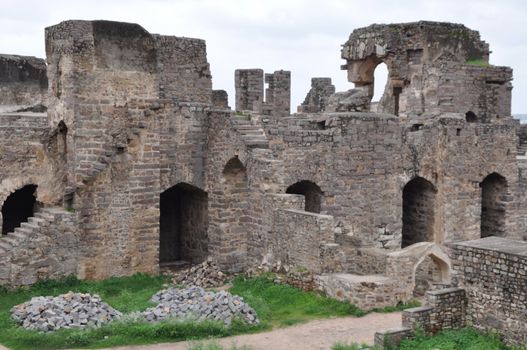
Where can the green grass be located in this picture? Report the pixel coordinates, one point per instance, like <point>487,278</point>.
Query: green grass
<point>354,346</point>
<point>464,339</point>
<point>277,305</point>
<point>282,305</point>
<point>478,62</point>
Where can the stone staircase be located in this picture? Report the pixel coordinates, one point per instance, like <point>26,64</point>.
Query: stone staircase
<point>250,131</point>
<point>522,149</point>
<point>43,217</point>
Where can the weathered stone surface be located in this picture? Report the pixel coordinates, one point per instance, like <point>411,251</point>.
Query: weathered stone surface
<point>205,275</point>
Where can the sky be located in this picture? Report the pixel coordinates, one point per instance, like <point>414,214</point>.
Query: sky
<point>304,37</point>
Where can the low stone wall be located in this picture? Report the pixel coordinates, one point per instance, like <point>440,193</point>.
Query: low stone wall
<point>445,310</point>
<point>367,292</point>
<point>46,247</point>
<point>298,237</point>
<point>493,271</point>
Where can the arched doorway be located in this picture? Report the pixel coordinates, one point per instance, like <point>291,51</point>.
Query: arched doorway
<point>430,273</point>
<point>183,224</point>
<point>380,81</point>
<point>419,197</point>
<point>18,207</point>
<point>312,193</point>
<point>493,205</point>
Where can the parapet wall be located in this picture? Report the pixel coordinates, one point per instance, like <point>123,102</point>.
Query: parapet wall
<point>23,83</point>
<point>493,271</point>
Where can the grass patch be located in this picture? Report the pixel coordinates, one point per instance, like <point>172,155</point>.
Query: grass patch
<point>464,339</point>
<point>277,305</point>
<point>353,346</point>
<point>478,62</point>
<point>215,346</point>
<point>282,305</point>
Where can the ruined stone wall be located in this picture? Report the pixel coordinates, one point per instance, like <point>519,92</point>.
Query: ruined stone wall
<point>47,248</point>
<point>23,83</point>
<point>249,89</point>
<point>345,155</point>
<point>433,67</point>
<point>106,79</point>
<point>185,70</point>
<point>318,96</point>
<point>278,94</point>
<point>298,236</point>
<point>27,151</point>
<point>493,271</point>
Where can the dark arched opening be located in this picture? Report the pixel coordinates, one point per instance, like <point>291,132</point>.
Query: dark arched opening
<point>471,117</point>
<point>183,224</point>
<point>311,192</point>
<point>493,205</point>
<point>18,207</point>
<point>418,212</point>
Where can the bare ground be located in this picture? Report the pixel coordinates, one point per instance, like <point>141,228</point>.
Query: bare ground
<point>314,335</point>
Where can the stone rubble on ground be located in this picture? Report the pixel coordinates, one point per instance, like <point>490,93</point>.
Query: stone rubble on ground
<point>206,275</point>
<point>71,310</point>
<point>195,302</point>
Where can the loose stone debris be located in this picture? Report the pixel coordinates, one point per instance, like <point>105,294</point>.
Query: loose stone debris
<point>205,275</point>
<point>71,310</point>
<point>195,302</point>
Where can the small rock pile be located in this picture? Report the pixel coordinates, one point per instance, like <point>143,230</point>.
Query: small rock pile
<point>206,275</point>
<point>195,302</point>
<point>71,310</point>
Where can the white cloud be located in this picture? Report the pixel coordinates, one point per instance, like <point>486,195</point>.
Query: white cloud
<point>301,36</point>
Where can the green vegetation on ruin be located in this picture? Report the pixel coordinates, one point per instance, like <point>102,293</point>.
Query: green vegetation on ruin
<point>478,62</point>
<point>277,305</point>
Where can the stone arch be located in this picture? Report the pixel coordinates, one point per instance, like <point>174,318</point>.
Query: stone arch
<point>380,80</point>
<point>183,225</point>
<point>430,271</point>
<point>312,193</point>
<point>18,207</point>
<point>419,202</point>
<point>493,205</point>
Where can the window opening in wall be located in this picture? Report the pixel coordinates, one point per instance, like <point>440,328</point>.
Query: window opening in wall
<point>471,117</point>
<point>419,197</point>
<point>380,79</point>
<point>18,208</point>
<point>183,225</point>
<point>311,192</point>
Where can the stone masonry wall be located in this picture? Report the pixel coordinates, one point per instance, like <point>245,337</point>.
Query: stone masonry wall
<point>318,96</point>
<point>23,83</point>
<point>249,88</point>
<point>493,271</point>
<point>45,248</point>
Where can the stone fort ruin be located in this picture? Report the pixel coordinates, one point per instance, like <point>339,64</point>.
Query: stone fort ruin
<point>117,157</point>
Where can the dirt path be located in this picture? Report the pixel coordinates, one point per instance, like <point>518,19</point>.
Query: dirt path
<point>315,335</point>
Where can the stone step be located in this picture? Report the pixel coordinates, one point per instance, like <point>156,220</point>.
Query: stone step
<point>5,245</point>
<point>30,226</point>
<point>44,216</point>
<point>35,221</point>
<point>18,234</point>
<point>251,132</point>
<point>24,231</point>
<point>257,144</point>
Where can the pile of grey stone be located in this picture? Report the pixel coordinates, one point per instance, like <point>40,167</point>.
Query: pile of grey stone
<point>196,303</point>
<point>71,310</point>
<point>206,275</point>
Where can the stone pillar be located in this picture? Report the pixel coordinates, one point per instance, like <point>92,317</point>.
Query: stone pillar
<point>220,99</point>
<point>318,96</point>
<point>278,93</point>
<point>249,86</point>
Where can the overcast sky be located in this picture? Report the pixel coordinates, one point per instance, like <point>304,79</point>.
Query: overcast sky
<point>301,36</point>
